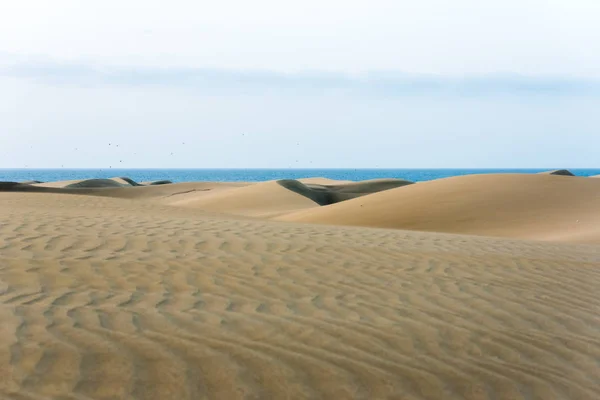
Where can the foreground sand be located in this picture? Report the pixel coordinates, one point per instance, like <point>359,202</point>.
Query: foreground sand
<point>149,293</point>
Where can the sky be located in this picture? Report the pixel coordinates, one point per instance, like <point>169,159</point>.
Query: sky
<point>323,84</point>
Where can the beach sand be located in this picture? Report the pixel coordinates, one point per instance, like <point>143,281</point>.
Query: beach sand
<point>475,287</point>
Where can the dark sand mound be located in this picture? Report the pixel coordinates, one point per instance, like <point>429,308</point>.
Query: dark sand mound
<point>31,182</point>
<point>125,181</point>
<point>96,183</point>
<point>326,194</point>
<point>154,183</point>
<point>563,172</point>
<point>10,185</point>
<point>369,186</point>
<point>531,206</point>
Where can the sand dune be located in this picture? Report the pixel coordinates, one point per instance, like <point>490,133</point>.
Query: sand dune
<point>97,183</point>
<point>282,196</point>
<point>545,207</point>
<point>125,181</point>
<point>121,298</point>
<point>366,187</point>
<point>252,200</point>
<point>90,183</point>
<point>563,172</point>
<point>323,181</point>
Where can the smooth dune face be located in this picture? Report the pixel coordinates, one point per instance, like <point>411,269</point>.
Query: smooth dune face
<point>252,200</point>
<point>543,207</point>
<point>123,293</point>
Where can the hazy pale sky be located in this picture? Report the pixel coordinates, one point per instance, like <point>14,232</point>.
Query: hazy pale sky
<point>381,83</point>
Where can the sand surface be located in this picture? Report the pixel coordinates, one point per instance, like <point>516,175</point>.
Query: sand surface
<point>201,291</point>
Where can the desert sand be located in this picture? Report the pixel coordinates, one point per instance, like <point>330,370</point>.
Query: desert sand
<point>475,287</point>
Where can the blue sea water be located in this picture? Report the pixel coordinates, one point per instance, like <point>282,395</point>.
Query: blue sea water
<point>253,175</point>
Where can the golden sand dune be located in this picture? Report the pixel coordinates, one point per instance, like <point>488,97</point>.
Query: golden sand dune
<point>253,200</point>
<point>161,193</point>
<point>282,196</point>
<point>545,207</point>
<point>96,183</point>
<point>134,297</point>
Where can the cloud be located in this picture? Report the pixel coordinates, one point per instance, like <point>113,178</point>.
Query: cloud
<point>242,81</point>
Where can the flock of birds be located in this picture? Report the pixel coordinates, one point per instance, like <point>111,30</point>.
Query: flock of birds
<point>172,153</point>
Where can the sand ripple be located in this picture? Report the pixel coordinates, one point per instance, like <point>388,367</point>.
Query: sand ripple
<point>105,298</point>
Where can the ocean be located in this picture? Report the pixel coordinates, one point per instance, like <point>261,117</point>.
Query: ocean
<point>253,175</point>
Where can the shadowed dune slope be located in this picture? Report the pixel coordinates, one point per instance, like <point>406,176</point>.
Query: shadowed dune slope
<point>106,298</point>
<point>368,186</point>
<point>545,207</point>
<point>125,181</point>
<point>159,182</point>
<point>325,194</point>
<point>97,183</point>
<point>562,172</point>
